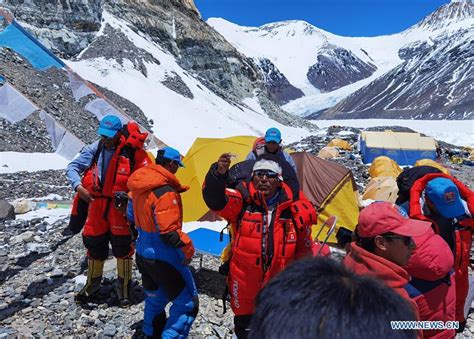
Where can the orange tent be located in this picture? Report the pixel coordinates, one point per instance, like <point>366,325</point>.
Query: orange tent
<point>339,143</point>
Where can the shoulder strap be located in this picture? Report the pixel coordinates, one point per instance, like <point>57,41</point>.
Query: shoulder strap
<point>160,191</point>
<point>242,188</point>
<point>95,158</point>
<point>129,152</point>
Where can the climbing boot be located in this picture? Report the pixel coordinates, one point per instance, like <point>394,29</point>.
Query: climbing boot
<point>124,277</point>
<point>94,279</point>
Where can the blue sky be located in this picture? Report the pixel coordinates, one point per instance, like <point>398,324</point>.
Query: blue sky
<point>343,17</point>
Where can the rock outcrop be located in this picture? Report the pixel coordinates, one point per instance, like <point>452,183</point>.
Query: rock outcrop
<point>69,27</point>
<point>337,67</point>
<point>277,84</point>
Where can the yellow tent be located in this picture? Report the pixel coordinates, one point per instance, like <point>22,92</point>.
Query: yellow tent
<point>432,163</point>
<point>381,189</point>
<point>339,143</point>
<point>384,167</point>
<point>332,190</point>
<point>328,153</point>
<point>203,153</point>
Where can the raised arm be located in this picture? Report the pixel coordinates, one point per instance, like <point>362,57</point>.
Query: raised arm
<point>226,202</point>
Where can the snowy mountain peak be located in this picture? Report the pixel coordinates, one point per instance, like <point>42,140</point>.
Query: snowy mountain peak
<point>279,29</point>
<point>454,12</point>
<point>291,28</point>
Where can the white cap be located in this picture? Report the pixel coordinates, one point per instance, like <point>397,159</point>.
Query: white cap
<point>268,165</point>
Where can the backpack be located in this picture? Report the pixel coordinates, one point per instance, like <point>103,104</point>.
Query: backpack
<point>407,178</point>
<point>133,139</point>
<point>258,147</point>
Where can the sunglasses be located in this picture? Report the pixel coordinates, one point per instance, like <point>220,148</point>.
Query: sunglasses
<point>106,138</point>
<point>406,240</point>
<point>269,174</point>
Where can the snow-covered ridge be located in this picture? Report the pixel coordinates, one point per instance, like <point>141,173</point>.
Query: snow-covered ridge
<point>293,46</point>
<point>446,15</point>
<point>178,120</point>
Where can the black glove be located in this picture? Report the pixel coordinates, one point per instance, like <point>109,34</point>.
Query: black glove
<point>120,199</point>
<point>224,268</point>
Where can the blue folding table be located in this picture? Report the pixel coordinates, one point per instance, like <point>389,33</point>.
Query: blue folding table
<point>208,242</point>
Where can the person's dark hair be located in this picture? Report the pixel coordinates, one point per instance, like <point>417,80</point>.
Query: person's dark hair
<point>368,244</point>
<point>160,159</point>
<point>319,298</point>
<point>343,236</point>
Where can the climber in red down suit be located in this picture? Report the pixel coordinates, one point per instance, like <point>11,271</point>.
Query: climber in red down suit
<point>270,226</point>
<point>99,175</point>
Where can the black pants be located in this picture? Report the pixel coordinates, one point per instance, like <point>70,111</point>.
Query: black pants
<point>242,326</point>
<point>160,274</point>
<point>163,283</point>
<point>98,246</point>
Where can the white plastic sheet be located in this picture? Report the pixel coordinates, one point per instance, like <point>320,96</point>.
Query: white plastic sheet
<point>154,143</point>
<point>14,107</point>
<point>470,297</point>
<point>55,130</point>
<point>100,108</point>
<point>69,146</point>
<point>78,86</point>
<point>64,142</point>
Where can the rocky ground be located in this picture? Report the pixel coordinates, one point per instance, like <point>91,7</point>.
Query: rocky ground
<point>50,91</point>
<point>42,266</point>
<point>34,185</point>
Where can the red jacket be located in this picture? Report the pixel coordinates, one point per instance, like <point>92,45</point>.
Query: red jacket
<point>462,233</point>
<point>433,286</point>
<point>365,263</point>
<point>119,170</point>
<point>261,247</point>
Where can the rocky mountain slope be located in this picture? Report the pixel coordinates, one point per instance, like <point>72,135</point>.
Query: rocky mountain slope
<point>50,91</point>
<point>157,55</point>
<point>435,80</point>
<point>69,28</point>
<point>336,68</point>
<point>424,72</point>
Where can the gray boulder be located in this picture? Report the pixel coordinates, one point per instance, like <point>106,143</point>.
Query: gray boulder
<point>7,211</point>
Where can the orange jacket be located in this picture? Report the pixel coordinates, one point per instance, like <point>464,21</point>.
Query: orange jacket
<point>162,214</point>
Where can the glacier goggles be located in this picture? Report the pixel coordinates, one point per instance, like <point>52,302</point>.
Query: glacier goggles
<point>267,173</point>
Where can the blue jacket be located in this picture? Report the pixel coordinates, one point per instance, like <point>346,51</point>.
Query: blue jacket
<point>83,160</point>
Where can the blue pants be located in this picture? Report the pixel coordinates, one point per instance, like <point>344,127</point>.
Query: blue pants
<point>166,282</point>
